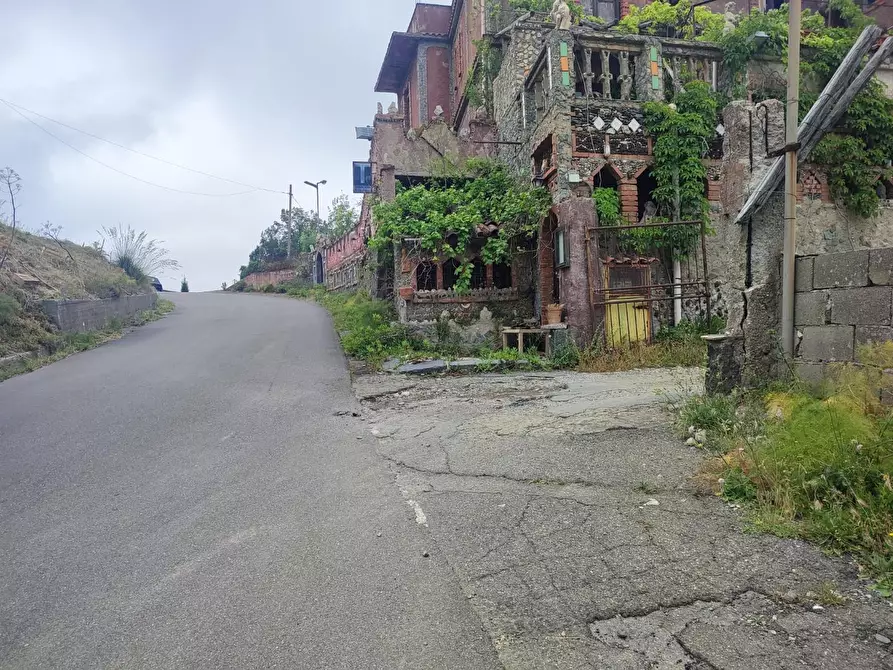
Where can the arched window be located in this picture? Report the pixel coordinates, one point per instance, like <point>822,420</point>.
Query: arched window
<point>478,274</point>
<point>450,272</point>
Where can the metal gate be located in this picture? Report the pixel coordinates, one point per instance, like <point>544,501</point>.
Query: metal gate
<point>637,284</point>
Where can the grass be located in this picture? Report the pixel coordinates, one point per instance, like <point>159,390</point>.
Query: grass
<point>66,344</point>
<point>370,332</point>
<point>818,466</point>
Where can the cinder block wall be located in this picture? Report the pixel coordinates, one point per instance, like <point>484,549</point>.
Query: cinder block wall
<point>843,300</point>
<point>79,316</point>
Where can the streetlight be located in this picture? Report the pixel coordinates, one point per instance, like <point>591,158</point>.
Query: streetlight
<point>316,185</point>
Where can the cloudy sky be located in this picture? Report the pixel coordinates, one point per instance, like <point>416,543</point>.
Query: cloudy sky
<point>265,93</point>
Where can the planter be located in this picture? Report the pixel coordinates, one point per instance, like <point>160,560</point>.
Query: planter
<point>552,314</point>
<point>406,292</point>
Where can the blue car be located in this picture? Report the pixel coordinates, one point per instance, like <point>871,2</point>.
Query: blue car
<point>156,284</point>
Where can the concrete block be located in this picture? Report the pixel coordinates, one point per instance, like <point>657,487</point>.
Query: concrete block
<point>867,334</point>
<point>880,267</point>
<point>811,374</point>
<point>811,309</point>
<point>827,343</point>
<point>805,270</point>
<point>849,269</point>
<point>862,306</point>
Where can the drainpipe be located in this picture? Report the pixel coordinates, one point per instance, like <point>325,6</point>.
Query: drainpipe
<point>677,264</point>
<point>790,188</point>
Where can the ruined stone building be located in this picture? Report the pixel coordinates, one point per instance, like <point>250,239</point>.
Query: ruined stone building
<point>565,109</point>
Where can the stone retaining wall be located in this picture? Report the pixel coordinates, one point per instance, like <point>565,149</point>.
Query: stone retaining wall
<point>843,300</point>
<point>78,316</point>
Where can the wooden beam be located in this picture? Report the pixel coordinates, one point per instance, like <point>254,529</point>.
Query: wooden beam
<point>818,115</point>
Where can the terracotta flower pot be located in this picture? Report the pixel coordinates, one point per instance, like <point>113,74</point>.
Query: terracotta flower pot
<point>553,314</point>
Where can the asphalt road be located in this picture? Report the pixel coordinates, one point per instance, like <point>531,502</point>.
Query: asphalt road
<point>187,497</point>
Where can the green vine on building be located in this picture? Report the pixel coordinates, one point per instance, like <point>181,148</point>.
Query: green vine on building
<point>445,216</point>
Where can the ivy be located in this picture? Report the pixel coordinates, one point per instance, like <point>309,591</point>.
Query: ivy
<point>479,88</point>
<point>607,204</point>
<point>681,131</point>
<point>673,20</point>
<point>445,215</point>
<point>855,158</point>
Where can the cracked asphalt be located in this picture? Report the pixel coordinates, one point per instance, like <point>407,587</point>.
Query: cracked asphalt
<point>564,505</point>
<point>199,494</point>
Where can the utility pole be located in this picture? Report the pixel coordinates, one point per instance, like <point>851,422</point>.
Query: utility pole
<point>290,196</point>
<point>790,186</point>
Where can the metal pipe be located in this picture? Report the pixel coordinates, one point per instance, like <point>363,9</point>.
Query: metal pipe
<point>790,198</point>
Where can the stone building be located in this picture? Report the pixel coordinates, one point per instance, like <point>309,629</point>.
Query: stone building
<point>565,109</point>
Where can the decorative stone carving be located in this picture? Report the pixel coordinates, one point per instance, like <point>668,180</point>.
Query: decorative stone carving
<point>561,15</point>
<point>392,108</point>
<point>625,78</point>
<point>438,113</point>
<point>606,75</point>
<point>731,18</point>
<point>380,108</point>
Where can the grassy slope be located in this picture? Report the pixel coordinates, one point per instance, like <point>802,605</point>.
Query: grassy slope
<point>63,271</point>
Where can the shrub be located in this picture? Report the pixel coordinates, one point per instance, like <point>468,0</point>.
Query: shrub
<point>269,288</point>
<point>10,309</point>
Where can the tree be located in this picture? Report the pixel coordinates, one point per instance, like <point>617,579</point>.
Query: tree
<point>11,183</point>
<point>343,217</point>
<point>137,255</point>
<point>184,286</point>
<point>273,248</point>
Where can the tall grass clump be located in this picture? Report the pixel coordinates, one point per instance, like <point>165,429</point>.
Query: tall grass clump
<point>136,254</point>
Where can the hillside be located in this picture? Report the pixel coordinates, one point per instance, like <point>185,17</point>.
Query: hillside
<point>39,268</point>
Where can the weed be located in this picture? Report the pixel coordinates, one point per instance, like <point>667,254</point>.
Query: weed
<point>647,488</point>
<point>9,310</point>
<point>669,353</point>
<point>815,467</point>
<point>828,595</point>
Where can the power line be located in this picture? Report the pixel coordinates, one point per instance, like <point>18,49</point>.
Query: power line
<point>253,189</point>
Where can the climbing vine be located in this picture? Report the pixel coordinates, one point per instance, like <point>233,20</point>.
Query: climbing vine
<point>607,204</point>
<point>855,155</point>
<point>681,131</point>
<point>479,88</point>
<point>446,215</point>
<point>673,20</point>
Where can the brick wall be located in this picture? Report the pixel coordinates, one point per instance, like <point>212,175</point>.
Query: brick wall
<point>629,200</point>
<point>843,300</point>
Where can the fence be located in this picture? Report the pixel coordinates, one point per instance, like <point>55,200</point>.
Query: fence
<point>646,276</point>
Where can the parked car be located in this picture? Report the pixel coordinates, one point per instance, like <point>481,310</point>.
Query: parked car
<point>156,284</point>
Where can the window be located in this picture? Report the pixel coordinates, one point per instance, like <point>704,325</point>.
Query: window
<point>426,277</point>
<point>561,259</point>
<point>449,273</point>
<point>478,274</point>
<point>502,276</point>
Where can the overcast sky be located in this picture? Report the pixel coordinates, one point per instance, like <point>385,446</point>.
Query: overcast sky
<point>265,92</point>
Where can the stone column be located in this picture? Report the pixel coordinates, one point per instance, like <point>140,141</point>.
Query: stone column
<point>387,186</point>
<point>576,216</point>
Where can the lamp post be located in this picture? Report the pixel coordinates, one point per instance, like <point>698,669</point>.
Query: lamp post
<point>316,186</point>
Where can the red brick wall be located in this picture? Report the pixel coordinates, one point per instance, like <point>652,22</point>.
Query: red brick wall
<point>469,29</point>
<point>431,19</point>
<point>714,190</point>
<point>629,200</point>
<point>438,81</point>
